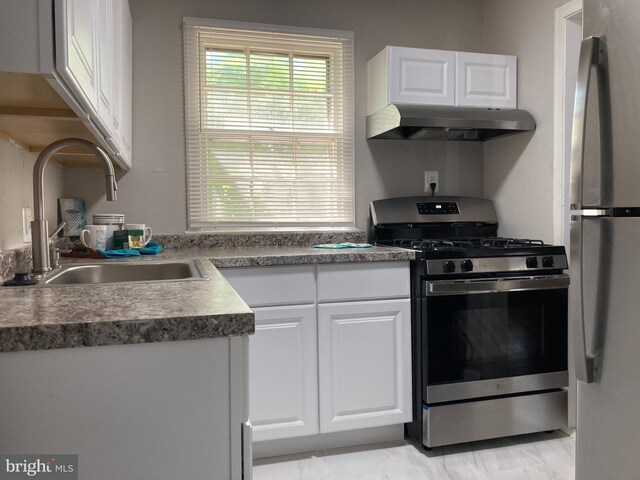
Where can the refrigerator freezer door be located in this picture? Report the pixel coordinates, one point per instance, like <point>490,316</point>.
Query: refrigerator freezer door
<point>616,23</point>
<point>608,426</point>
<point>589,127</point>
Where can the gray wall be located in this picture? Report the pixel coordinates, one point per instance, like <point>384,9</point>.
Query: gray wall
<point>518,170</point>
<point>16,191</point>
<point>154,191</point>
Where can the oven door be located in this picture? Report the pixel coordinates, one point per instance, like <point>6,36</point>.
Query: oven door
<point>491,337</point>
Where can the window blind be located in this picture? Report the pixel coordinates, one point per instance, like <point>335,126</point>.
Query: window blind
<point>269,126</point>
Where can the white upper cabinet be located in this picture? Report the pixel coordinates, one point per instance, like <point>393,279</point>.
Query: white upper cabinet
<point>124,41</point>
<point>108,80</point>
<point>485,80</point>
<point>93,57</point>
<point>77,48</point>
<point>80,53</point>
<point>410,75</point>
<point>419,76</point>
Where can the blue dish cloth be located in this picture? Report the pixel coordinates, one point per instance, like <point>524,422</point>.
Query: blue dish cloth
<point>343,245</point>
<point>119,253</point>
<point>151,248</point>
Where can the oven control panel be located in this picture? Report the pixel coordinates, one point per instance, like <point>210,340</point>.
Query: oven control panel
<point>496,264</point>
<point>438,208</point>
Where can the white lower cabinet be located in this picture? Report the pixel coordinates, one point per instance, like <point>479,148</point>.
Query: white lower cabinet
<point>364,364</point>
<point>283,375</point>
<point>338,360</point>
<point>161,411</point>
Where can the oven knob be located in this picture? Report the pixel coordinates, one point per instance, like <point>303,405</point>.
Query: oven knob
<point>448,267</point>
<point>532,262</point>
<point>547,262</point>
<point>466,265</point>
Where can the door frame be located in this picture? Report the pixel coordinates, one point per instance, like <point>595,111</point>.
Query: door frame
<point>563,15</point>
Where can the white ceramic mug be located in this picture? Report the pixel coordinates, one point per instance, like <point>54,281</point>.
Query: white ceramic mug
<point>94,236</point>
<point>113,221</point>
<point>140,226</point>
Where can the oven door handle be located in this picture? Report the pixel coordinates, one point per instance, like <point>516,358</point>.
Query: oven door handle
<point>463,287</point>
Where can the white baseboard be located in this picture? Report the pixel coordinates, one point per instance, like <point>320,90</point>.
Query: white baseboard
<point>324,441</point>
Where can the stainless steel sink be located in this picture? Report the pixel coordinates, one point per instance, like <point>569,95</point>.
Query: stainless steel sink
<point>126,272</point>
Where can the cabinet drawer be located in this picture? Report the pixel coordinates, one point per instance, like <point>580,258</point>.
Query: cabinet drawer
<point>267,286</point>
<point>363,281</point>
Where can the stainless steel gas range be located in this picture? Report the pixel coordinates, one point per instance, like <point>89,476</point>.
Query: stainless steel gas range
<point>489,321</point>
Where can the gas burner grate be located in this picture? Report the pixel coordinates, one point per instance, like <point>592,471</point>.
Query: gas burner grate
<point>465,243</point>
<point>501,242</point>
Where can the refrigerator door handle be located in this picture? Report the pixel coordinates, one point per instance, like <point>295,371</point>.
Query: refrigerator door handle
<point>584,363</point>
<point>590,55</point>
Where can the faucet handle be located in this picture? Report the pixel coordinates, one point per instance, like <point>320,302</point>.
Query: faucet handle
<point>54,252</point>
<point>57,230</point>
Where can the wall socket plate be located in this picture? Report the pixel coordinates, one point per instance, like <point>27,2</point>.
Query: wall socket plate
<point>27,217</point>
<point>431,176</point>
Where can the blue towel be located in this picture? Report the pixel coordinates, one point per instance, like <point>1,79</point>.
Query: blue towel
<point>343,245</point>
<point>119,253</point>
<point>151,248</point>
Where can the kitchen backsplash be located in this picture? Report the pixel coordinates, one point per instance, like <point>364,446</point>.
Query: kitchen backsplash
<point>12,261</point>
<point>267,239</point>
<point>20,259</point>
<point>16,191</point>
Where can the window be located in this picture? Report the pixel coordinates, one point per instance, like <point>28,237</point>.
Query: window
<point>269,126</point>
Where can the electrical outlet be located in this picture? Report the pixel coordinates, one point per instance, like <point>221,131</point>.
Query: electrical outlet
<point>431,176</point>
<point>26,224</point>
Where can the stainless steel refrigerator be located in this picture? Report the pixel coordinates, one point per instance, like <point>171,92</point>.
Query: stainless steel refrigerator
<point>605,242</point>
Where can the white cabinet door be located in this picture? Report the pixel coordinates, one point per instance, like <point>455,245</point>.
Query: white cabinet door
<point>421,76</point>
<point>124,48</point>
<point>410,75</point>
<point>107,64</point>
<point>364,355</point>
<point>76,48</point>
<point>486,80</point>
<point>283,373</point>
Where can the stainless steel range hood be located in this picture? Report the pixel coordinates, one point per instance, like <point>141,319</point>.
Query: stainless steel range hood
<point>435,122</point>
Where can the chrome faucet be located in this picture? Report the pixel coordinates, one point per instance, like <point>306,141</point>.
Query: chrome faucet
<point>39,226</point>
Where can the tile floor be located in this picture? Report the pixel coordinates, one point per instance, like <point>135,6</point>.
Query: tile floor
<point>540,456</point>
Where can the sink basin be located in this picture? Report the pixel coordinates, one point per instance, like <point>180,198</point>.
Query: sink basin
<point>126,272</point>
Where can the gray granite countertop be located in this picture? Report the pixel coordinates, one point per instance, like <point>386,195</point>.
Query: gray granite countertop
<point>272,255</point>
<point>276,248</point>
<point>41,318</point>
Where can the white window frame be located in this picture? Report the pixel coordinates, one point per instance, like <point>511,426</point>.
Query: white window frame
<point>190,125</point>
